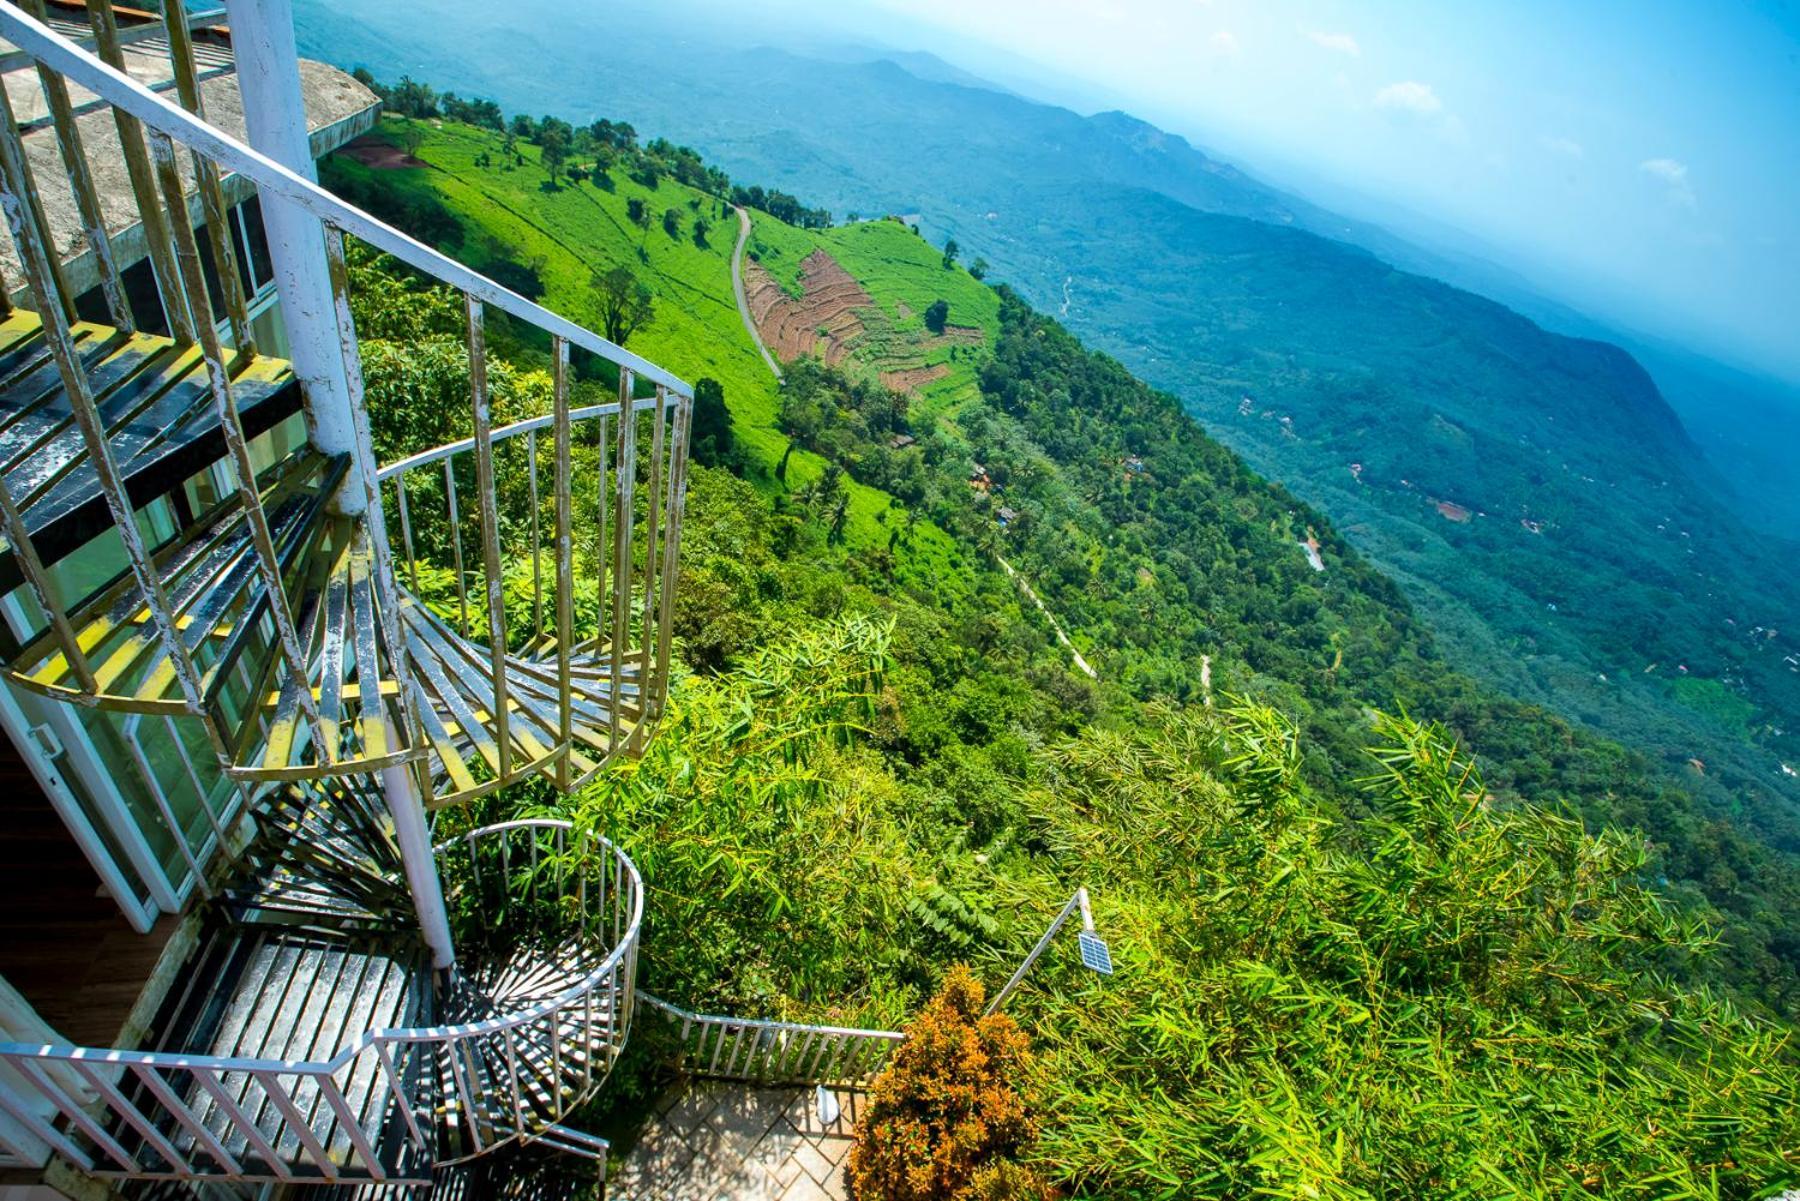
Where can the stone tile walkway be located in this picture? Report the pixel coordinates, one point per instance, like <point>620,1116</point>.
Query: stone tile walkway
<point>732,1142</point>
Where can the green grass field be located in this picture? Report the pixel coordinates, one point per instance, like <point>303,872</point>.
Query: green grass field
<point>568,231</point>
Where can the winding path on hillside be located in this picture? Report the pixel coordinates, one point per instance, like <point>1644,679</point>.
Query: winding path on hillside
<point>743,304</point>
<point>737,287</point>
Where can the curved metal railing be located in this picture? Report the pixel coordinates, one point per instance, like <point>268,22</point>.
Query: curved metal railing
<point>393,1102</point>
<point>347,697</point>
<point>587,659</point>
<point>515,1074</point>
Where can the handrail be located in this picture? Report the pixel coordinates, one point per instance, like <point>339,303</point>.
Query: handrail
<point>542,422</point>
<point>774,1052</point>
<point>392,1034</point>
<point>127,94</point>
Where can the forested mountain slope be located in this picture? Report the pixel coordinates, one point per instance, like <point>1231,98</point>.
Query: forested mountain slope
<point>883,764</point>
<point>1532,494</point>
<point>1160,550</point>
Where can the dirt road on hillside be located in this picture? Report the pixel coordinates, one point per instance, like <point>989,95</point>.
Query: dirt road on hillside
<point>737,287</point>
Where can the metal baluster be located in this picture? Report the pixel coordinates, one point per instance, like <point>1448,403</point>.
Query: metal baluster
<point>485,485</point>
<point>206,182</point>
<point>143,180</point>
<point>600,543</point>
<point>161,798</point>
<point>565,568</point>
<point>653,505</point>
<point>351,1125</point>
<point>179,1110</point>
<point>187,258</point>
<point>43,589</point>
<point>81,183</point>
<point>200,790</point>
<point>537,543</point>
<point>401,1099</point>
<point>624,475</point>
<point>54,292</point>
<point>512,1073</point>
<point>456,557</point>
<point>677,505</point>
<point>406,537</point>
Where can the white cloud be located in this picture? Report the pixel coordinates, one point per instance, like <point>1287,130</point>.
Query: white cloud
<point>1409,96</point>
<point>1674,175</point>
<point>1342,43</point>
<point>1224,44</point>
<point>1567,147</point>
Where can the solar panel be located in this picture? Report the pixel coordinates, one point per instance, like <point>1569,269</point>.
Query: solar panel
<point>1094,952</point>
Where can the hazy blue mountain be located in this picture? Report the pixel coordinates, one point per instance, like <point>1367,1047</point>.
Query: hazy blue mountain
<point>1580,554</point>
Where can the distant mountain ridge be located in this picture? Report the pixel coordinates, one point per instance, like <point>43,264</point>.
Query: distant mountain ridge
<point>1596,570</point>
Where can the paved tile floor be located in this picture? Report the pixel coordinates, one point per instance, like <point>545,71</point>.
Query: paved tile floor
<point>731,1142</point>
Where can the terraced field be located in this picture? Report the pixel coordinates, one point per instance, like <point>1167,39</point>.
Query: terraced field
<point>566,231</point>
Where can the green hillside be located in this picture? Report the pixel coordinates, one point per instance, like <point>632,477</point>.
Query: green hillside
<point>905,276</point>
<point>563,232</point>
<point>1194,559</point>
<point>882,764</point>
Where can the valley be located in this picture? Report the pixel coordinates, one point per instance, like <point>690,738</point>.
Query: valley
<point>882,760</point>
<point>1220,289</point>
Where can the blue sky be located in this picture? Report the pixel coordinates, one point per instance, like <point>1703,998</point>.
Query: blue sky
<point>1640,161</point>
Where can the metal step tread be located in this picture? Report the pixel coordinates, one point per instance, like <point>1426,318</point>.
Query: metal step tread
<point>325,855</point>
<point>162,424</point>
<point>295,997</point>
<point>461,728</point>
<point>215,592</point>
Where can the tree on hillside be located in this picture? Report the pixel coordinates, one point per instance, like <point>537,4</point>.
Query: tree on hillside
<point>979,269</point>
<point>410,98</point>
<point>701,228</point>
<point>936,315</point>
<point>475,111</point>
<point>554,152</point>
<point>411,138</point>
<point>625,305</point>
<point>671,222</point>
<point>951,250</point>
<point>638,213</point>
<point>710,437</point>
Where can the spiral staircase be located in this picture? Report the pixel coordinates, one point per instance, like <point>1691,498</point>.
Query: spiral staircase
<point>190,535</point>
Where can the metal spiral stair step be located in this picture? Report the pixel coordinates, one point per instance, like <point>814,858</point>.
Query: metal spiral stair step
<point>460,717</point>
<point>336,716</point>
<point>215,593</point>
<point>324,856</point>
<point>161,423</point>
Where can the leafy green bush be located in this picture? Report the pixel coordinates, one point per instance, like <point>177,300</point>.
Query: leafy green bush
<point>1449,999</point>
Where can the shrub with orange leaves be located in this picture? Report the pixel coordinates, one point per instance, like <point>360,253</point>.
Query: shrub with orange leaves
<point>946,1116</point>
